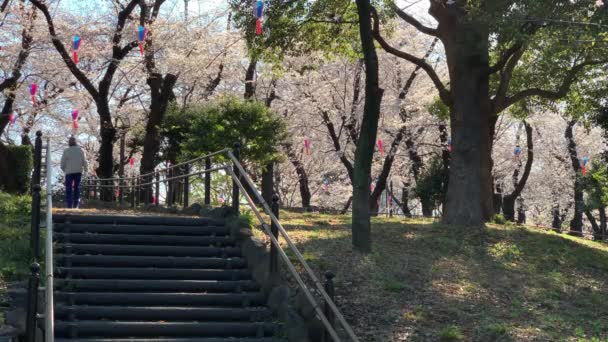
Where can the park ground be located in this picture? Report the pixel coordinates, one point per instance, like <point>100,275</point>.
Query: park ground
<point>427,282</point>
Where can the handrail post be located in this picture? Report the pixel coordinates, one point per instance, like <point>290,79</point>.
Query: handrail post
<point>157,198</point>
<point>208,181</point>
<point>147,189</point>
<point>390,193</point>
<point>133,193</point>
<point>32,303</point>
<point>95,188</point>
<point>138,191</point>
<point>235,187</point>
<point>35,223</point>
<point>170,187</point>
<point>330,289</point>
<point>49,315</point>
<point>186,186</point>
<point>274,265</point>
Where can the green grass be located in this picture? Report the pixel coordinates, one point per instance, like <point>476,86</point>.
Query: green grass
<point>428,282</point>
<point>451,333</point>
<point>14,238</point>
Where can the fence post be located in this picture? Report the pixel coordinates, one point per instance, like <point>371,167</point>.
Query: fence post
<point>147,189</point>
<point>235,187</point>
<point>157,198</point>
<point>274,266</point>
<point>95,189</point>
<point>138,192</point>
<point>186,186</point>
<point>170,187</point>
<point>35,223</point>
<point>32,302</point>
<point>133,193</point>
<point>207,181</point>
<point>329,288</point>
<point>390,208</point>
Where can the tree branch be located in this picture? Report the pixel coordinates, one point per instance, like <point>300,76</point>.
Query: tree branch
<point>67,59</point>
<point>336,142</point>
<point>504,58</point>
<point>548,94</point>
<point>505,77</point>
<point>412,21</point>
<point>444,93</point>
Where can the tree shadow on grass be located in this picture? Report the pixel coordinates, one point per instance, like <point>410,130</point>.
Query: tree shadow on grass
<point>427,282</point>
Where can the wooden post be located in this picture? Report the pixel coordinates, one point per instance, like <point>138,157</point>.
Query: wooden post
<point>32,303</point>
<point>207,181</point>
<point>186,186</point>
<point>157,199</point>
<point>274,255</point>
<point>235,187</point>
<point>330,289</point>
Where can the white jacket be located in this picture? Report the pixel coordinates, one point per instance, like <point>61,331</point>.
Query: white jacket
<point>73,161</point>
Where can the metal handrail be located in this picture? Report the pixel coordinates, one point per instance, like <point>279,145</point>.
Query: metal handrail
<point>296,252</point>
<point>49,324</point>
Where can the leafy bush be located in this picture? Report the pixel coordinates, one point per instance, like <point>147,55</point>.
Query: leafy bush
<point>20,160</point>
<point>429,187</point>
<point>210,127</point>
<point>499,219</point>
<point>15,210</point>
<point>14,236</point>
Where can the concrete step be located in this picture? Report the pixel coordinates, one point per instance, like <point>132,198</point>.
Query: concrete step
<point>169,339</point>
<point>138,220</point>
<point>145,250</point>
<point>242,299</point>
<point>165,329</point>
<point>141,285</point>
<point>149,261</point>
<point>141,229</point>
<point>151,273</point>
<point>162,313</point>
<point>147,239</point>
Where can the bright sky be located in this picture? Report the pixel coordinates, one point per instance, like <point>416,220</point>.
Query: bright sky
<point>170,8</point>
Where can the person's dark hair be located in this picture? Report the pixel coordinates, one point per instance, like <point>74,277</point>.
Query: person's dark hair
<point>72,141</point>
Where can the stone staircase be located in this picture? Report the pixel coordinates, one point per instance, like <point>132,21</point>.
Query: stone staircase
<point>169,279</point>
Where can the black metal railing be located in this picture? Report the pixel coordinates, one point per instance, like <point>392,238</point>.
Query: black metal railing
<point>34,280</point>
<point>176,181</point>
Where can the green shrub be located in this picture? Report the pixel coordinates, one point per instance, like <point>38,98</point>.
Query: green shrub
<point>15,210</point>
<point>21,161</point>
<point>499,219</point>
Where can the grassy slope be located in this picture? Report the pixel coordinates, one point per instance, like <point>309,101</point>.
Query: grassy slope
<point>426,282</point>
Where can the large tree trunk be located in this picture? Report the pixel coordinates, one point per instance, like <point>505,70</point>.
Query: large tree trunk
<point>268,183</point>
<point>603,225</point>
<point>105,158</point>
<point>404,199</point>
<point>576,224</point>
<point>302,175</point>
<point>361,225</point>
<point>445,157</point>
<point>161,91</point>
<point>469,195</point>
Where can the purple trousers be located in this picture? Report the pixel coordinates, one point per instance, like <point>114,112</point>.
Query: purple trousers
<point>72,189</point>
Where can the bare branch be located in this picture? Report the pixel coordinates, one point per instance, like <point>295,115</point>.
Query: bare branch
<point>444,93</point>
<point>67,59</point>
<point>412,21</point>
